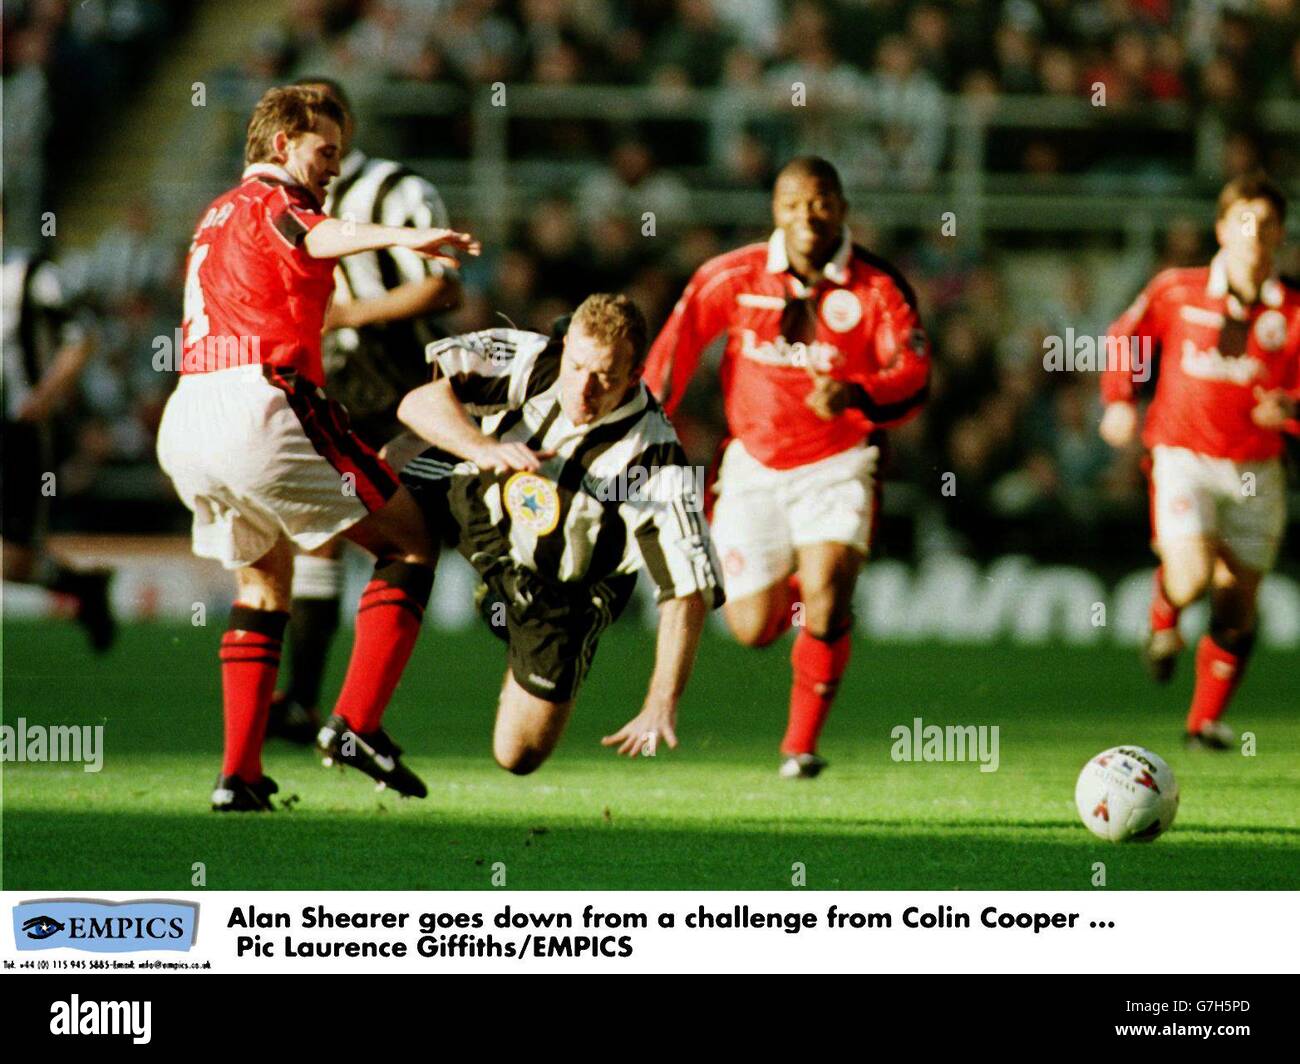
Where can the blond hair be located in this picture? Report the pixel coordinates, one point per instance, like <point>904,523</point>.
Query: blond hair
<point>610,319</point>
<point>295,109</point>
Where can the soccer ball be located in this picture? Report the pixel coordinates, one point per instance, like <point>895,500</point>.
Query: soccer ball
<point>1126,794</point>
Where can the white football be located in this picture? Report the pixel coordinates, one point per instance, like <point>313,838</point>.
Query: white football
<point>1126,794</point>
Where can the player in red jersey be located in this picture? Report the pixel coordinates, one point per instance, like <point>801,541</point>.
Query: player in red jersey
<point>824,348</point>
<point>265,460</point>
<point>1228,388</point>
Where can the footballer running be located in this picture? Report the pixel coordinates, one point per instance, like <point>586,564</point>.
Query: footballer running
<point>1227,389</point>
<point>532,437</point>
<point>824,350</point>
<point>263,458</point>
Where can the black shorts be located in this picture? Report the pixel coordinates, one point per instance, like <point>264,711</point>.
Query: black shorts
<point>26,461</point>
<point>552,628</point>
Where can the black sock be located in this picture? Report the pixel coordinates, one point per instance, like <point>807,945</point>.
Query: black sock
<point>312,624</point>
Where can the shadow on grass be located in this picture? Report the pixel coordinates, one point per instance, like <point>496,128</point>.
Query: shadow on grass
<point>301,850</point>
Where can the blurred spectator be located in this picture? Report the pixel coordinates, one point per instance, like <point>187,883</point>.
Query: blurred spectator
<point>629,186</point>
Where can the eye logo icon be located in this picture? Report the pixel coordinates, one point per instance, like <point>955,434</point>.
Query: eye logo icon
<point>39,927</point>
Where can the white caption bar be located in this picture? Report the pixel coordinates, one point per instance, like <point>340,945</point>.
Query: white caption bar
<point>664,931</point>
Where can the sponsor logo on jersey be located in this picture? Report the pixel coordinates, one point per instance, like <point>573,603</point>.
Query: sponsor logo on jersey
<point>841,310</point>
<point>1212,366</point>
<point>1270,330</point>
<point>818,355</point>
<point>532,503</point>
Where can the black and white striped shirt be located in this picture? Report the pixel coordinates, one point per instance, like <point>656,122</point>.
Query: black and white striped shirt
<point>617,495</point>
<point>386,193</point>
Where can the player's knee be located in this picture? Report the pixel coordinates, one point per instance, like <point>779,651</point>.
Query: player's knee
<point>519,759</point>
<point>1186,582</point>
<point>825,613</point>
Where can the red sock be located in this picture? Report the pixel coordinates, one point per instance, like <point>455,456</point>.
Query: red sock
<point>779,621</point>
<point>388,621</point>
<point>818,666</point>
<point>1218,672</point>
<point>250,659</point>
<point>1164,614</point>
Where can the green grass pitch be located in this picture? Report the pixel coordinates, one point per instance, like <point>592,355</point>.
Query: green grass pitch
<point>711,815</point>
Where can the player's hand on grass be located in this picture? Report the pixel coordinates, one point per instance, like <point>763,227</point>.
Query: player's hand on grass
<point>428,242</point>
<point>828,398</point>
<point>644,732</point>
<point>1119,424</point>
<point>497,457</point>
<point>1273,409</point>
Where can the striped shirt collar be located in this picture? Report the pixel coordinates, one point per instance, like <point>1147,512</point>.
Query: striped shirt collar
<point>836,271</point>
<point>1270,291</point>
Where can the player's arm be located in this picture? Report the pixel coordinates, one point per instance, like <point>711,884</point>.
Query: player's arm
<point>698,317</point>
<point>672,540</point>
<point>414,299</point>
<point>480,374</point>
<point>428,286</point>
<point>58,382</point>
<point>434,413</point>
<point>333,238</point>
<point>76,347</point>
<point>1119,382</point>
<point>681,621</point>
<point>895,392</point>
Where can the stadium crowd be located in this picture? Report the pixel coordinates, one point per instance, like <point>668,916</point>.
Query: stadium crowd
<point>1032,473</point>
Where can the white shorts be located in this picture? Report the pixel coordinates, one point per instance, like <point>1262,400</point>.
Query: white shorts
<point>1240,505</point>
<point>762,515</point>
<point>258,453</point>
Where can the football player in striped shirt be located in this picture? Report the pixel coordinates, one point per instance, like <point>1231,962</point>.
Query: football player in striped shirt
<point>45,351</point>
<point>557,476</point>
<point>265,460</point>
<point>824,351</point>
<point>376,330</point>
<point>1227,389</point>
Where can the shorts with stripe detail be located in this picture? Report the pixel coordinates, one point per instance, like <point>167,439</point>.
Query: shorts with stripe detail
<point>258,453</point>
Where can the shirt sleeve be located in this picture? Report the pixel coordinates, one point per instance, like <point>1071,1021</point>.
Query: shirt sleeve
<point>665,515</point>
<point>495,369</point>
<point>1143,320</point>
<point>290,216</point>
<point>696,320</point>
<point>895,390</point>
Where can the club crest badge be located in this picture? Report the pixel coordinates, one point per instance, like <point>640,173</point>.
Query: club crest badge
<point>841,310</point>
<point>1270,330</point>
<point>532,503</point>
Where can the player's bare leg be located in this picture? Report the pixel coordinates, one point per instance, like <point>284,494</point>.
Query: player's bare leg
<point>1223,652</point>
<point>388,622</point>
<point>761,618</point>
<point>1183,577</point>
<point>527,728</point>
<point>828,573</point>
<point>250,660</point>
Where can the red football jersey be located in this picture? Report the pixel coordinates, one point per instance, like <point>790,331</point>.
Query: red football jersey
<point>1214,353</point>
<point>859,324</point>
<point>252,293</point>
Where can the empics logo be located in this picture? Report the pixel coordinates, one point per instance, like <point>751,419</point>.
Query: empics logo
<point>106,926</point>
<point>77,1017</point>
<point>39,927</point>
